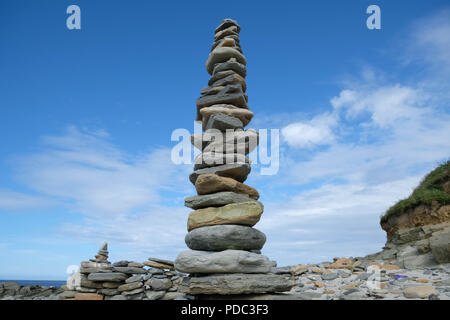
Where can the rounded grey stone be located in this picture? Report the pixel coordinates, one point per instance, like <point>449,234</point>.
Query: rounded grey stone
<point>223,237</point>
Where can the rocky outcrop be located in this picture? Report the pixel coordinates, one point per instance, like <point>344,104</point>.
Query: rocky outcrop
<point>418,227</point>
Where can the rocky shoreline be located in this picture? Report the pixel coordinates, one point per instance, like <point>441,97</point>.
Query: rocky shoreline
<point>342,279</point>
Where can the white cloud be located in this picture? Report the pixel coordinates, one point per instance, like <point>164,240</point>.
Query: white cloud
<point>16,201</point>
<point>317,131</point>
<point>133,202</point>
<point>385,104</point>
<point>430,40</point>
<point>97,178</point>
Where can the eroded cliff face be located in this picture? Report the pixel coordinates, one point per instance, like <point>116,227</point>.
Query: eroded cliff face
<point>418,217</point>
<point>420,236</point>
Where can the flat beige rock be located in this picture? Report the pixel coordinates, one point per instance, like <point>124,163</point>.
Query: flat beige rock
<point>244,213</point>
<point>211,183</point>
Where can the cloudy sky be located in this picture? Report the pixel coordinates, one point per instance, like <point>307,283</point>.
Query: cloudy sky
<point>86,118</point>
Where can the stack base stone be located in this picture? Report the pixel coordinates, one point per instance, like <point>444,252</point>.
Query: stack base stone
<point>227,261</point>
<point>237,283</point>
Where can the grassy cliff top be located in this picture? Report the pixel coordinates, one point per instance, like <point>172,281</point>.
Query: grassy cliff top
<point>428,191</point>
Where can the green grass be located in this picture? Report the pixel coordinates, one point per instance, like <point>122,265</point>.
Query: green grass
<point>429,191</point>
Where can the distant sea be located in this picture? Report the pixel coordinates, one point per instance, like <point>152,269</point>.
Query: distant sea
<point>42,283</point>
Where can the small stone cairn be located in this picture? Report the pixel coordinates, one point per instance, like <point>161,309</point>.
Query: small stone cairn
<point>99,279</point>
<point>225,255</point>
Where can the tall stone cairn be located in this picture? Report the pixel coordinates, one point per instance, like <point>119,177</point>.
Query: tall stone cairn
<point>225,256</point>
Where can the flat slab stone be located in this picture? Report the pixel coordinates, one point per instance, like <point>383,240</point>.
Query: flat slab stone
<point>158,265</point>
<point>228,261</point>
<point>215,199</point>
<point>238,141</point>
<point>235,66</point>
<point>95,270</point>
<point>223,54</point>
<point>223,237</point>
<point>223,122</point>
<point>108,276</point>
<point>231,284</point>
<point>169,262</point>
<point>226,23</point>
<point>88,296</point>
<point>212,183</point>
<point>244,213</point>
<point>211,159</point>
<point>206,111</point>
<point>237,171</point>
<point>129,270</point>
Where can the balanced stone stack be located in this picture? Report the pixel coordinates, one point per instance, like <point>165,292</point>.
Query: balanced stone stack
<point>225,255</point>
<point>99,279</point>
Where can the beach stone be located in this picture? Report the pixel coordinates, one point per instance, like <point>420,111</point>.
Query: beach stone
<point>223,122</point>
<point>329,276</point>
<point>237,171</point>
<point>440,246</point>
<point>223,237</point>
<point>111,276</point>
<point>135,265</point>
<point>116,297</point>
<point>159,284</point>
<point>227,261</point>
<point>134,279</point>
<point>341,263</point>
<point>230,40</point>
<point>233,65</point>
<point>223,54</point>
<point>226,284</point>
<point>94,270</point>
<point>240,109</point>
<point>230,79</point>
<point>237,141</point>
<point>231,30</point>
<point>109,292</point>
<point>207,91</point>
<point>158,265</point>
<point>121,263</point>
<point>163,261</point>
<point>174,296</point>
<point>84,282</point>
<point>130,286</point>
<point>232,99</point>
<point>211,159</point>
<point>299,269</point>
<point>226,23</point>
<point>421,292</point>
<point>133,293</point>
<point>110,285</point>
<point>219,75</point>
<point>67,294</point>
<point>129,270</point>
<point>88,296</point>
<point>98,265</point>
<point>244,213</point>
<point>155,295</point>
<point>212,183</point>
<point>215,199</point>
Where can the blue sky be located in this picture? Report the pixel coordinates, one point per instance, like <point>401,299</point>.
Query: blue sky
<point>86,118</point>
